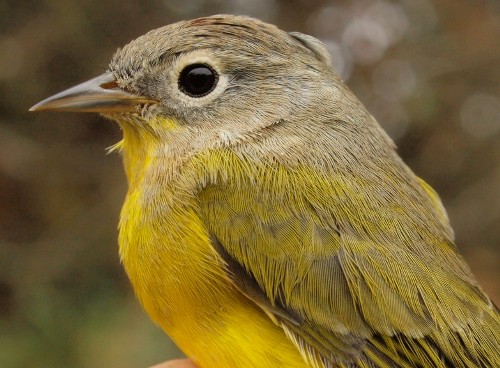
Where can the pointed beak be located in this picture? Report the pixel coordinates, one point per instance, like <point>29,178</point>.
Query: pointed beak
<point>100,94</point>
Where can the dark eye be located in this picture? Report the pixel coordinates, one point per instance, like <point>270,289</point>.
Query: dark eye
<point>197,80</point>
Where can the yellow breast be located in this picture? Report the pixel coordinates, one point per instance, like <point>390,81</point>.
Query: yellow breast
<point>180,281</point>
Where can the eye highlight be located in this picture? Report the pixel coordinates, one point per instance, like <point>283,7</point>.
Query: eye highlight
<point>197,80</point>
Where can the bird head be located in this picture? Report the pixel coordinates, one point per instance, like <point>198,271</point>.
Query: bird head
<point>225,77</point>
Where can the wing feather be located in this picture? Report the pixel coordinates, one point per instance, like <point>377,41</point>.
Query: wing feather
<point>353,279</point>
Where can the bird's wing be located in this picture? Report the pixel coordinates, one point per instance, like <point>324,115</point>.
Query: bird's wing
<point>353,283</point>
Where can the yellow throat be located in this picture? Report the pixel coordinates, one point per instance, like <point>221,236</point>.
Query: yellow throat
<point>177,275</point>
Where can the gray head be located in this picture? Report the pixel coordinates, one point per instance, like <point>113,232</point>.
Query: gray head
<point>220,80</point>
<point>224,70</point>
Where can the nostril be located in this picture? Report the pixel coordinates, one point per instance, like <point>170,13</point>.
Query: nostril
<point>109,85</point>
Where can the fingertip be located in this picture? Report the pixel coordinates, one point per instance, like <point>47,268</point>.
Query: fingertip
<point>178,363</point>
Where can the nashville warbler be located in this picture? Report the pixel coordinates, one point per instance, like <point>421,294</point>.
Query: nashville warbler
<point>269,221</point>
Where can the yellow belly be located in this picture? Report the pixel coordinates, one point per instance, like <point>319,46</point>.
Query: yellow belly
<point>242,337</point>
<point>180,281</point>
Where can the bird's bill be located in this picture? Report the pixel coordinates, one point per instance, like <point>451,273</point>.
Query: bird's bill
<point>100,94</point>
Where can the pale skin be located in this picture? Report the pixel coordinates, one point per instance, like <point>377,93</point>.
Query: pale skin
<point>177,363</point>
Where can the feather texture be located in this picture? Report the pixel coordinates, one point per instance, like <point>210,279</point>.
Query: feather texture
<point>273,215</point>
<point>355,281</point>
<point>269,221</point>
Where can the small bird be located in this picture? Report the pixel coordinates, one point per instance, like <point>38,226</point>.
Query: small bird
<point>269,221</point>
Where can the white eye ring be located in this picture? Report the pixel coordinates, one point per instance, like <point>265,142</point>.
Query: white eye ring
<point>197,58</point>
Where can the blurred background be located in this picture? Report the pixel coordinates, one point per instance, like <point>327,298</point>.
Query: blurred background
<point>429,70</point>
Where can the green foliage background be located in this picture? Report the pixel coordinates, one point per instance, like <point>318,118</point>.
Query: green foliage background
<point>428,70</point>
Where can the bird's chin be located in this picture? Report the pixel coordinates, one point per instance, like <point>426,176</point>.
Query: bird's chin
<point>125,119</point>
